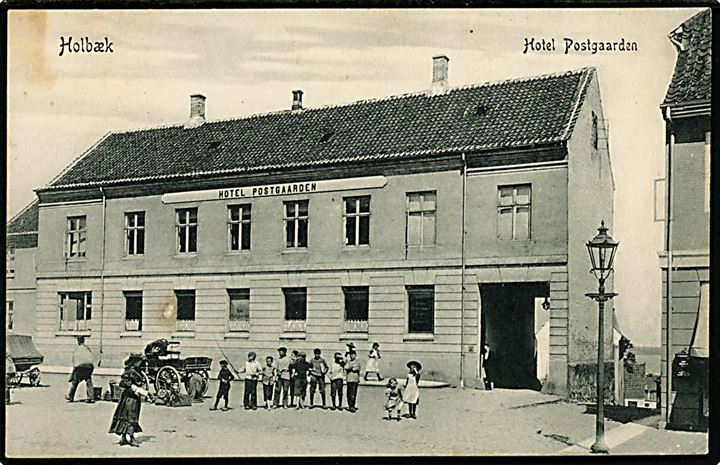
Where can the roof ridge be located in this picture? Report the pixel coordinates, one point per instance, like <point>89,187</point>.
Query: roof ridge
<point>423,93</point>
<point>580,90</point>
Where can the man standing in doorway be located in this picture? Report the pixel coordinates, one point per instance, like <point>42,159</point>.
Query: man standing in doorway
<point>488,362</point>
<point>83,366</point>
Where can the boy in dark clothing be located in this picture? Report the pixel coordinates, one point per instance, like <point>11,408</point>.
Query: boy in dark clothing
<point>299,372</point>
<point>318,369</point>
<point>225,376</point>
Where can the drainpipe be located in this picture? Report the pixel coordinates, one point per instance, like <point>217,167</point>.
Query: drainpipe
<point>462,276</point>
<point>669,249</point>
<point>102,274</point>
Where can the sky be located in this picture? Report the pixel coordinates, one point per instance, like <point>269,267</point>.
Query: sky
<point>249,61</point>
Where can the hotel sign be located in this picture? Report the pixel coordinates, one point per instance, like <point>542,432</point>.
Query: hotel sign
<point>290,188</point>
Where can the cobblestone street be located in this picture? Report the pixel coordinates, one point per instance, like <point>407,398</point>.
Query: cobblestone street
<point>511,422</point>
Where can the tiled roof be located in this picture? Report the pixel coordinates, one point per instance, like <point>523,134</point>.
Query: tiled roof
<point>26,221</point>
<point>513,113</point>
<point>691,79</point>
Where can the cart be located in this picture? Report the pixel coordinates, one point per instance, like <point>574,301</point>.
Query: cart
<point>22,359</point>
<point>164,369</point>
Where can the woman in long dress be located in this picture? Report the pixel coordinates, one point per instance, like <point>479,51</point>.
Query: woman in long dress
<point>125,421</point>
<point>411,395</point>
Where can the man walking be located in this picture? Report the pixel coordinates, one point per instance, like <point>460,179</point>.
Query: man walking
<point>83,366</point>
<point>282,385</point>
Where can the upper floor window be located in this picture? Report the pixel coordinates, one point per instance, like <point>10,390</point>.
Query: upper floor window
<point>514,212</point>
<point>421,211</point>
<point>75,311</point>
<point>75,237</point>
<point>186,224</point>
<point>133,310</point>
<point>296,223</point>
<point>10,262</point>
<point>238,223</point>
<point>357,220</point>
<point>135,233</point>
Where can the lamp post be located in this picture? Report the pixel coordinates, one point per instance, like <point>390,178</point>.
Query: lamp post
<point>602,253</point>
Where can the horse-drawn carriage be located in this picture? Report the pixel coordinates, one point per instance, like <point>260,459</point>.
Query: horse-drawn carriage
<point>22,359</point>
<point>164,369</point>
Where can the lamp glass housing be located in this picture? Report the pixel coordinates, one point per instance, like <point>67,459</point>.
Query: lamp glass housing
<point>602,253</point>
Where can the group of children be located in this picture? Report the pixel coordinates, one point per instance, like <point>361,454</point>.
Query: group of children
<point>287,378</point>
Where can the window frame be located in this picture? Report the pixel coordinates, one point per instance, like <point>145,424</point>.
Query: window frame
<point>294,291</point>
<point>133,295</point>
<point>80,233</point>
<point>296,219</point>
<point>514,207</point>
<point>419,289</point>
<point>238,327</point>
<point>187,227</point>
<point>423,213</point>
<point>357,215</point>
<point>87,309</point>
<point>10,263</point>
<point>9,314</point>
<point>241,224</point>
<point>135,231</point>
<point>185,293</point>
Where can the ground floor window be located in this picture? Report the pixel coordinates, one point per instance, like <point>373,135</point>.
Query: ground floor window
<point>185,300</point>
<point>10,307</point>
<point>356,308</point>
<point>295,308</point>
<point>133,310</point>
<point>75,311</point>
<point>421,309</point>
<point>239,316</point>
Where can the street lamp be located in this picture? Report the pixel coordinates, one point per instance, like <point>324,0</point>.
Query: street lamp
<point>602,253</point>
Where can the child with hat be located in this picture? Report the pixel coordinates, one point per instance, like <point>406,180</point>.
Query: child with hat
<point>393,399</point>
<point>252,372</point>
<point>337,374</point>
<point>352,377</point>
<point>411,396</point>
<point>224,376</point>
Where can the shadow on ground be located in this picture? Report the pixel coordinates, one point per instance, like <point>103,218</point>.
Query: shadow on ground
<point>646,416</point>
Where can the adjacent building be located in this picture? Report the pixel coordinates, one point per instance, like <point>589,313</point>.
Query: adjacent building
<point>685,260</point>
<point>20,255</point>
<point>428,222</point>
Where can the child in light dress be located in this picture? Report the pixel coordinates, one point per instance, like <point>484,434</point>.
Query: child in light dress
<point>411,396</point>
<point>393,399</point>
<point>373,364</point>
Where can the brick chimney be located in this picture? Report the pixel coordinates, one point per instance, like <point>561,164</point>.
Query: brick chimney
<point>439,74</point>
<point>297,100</point>
<point>197,111</point>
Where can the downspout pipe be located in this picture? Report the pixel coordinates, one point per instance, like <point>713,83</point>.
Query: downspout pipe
<point>669,249</point>
<point>102,273</point>
<point>462,275</point>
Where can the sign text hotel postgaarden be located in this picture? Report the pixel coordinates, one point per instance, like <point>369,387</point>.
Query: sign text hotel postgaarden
<point>290,188</point>
<point>575,46</point>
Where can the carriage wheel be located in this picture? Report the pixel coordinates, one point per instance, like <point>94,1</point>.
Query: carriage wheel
<point>206,382</point>
<point>167,381</point>
<point>34,376</point>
